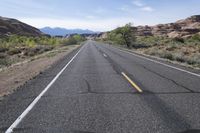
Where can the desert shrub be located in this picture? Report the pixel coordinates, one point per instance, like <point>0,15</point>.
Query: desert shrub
<point>140,45</point>
<point>3,50</point>
<point>191,61</point>
<point>166,55</point>
<point>171,48</point>
<point>14,44</point>
<point>76,39</point>
<point>13,51</point>
<point>195,37</point>
<point>178,49</point>
<point>151,51</point>
<point>195,59</point>
<point>2,55</point>
<point>151,41</point>
<point>39,49</point>
<point>4,62</point>
<point>178,39</point>
<point>30,46</point>
<point>30,41</point>
<point>160,53</point>
<point>179,57</point>
<point>79,38</point>
<point>71,41</point>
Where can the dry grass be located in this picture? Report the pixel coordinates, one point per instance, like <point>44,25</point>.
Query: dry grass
<point>185,51</point>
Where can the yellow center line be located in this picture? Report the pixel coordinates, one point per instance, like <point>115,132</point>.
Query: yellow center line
<point>132,83</point>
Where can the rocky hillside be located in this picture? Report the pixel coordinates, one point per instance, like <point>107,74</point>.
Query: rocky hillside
<point>181,29</point>
<point>10,26</point>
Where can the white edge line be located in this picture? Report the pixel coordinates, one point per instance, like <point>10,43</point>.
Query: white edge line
<point>194,74</point>
<point>28,109</point>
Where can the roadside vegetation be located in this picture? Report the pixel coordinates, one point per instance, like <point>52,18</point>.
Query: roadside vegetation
<point>182,50</point>
<point>177,49</point>
<point>122,36</point>
<point>15,48</point>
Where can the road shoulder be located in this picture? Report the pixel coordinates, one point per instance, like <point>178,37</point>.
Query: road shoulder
<point>17,75</point>
<point>161,60</point>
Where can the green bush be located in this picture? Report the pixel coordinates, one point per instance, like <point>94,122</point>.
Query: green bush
<point>191,61</point>
<point>23,46</point>
<point>167,55</point>
<point>180,57</point>
<point>71,41</point>
<point>177,39</point>
<point>34,45</point>
<point>76,39</point>
<point>79,38</point>
<point>195,59</point>
<point>123,36</point>
<point>196,37</point>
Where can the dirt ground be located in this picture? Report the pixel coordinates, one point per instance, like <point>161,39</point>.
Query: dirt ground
<point>16,75</point>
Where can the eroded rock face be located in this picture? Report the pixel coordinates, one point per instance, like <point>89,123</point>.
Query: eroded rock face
<point>10,26</point>
<point>182,28</point>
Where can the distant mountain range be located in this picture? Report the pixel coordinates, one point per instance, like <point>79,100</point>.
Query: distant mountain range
<point>10,26</point>
<point>63,31</point>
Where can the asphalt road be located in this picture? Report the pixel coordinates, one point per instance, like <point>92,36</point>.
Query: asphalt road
<point>97,93</point>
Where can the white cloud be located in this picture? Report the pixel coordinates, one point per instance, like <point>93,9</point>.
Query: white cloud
<point>147,9</point>
<point>142,6</point>
<point>138,3</point>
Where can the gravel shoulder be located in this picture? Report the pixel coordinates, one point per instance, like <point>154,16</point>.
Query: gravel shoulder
<point>165,60</point>
<point>18,74</point>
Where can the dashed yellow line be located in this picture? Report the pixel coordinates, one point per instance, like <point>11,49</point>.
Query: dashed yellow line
<point>132,83</point>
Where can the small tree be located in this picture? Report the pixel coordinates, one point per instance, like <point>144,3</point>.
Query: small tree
<point>127,33</point>
<point>123,35</point>
<point>79,38</point>
<point>71,41</point>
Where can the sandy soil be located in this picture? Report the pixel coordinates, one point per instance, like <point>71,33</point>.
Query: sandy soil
<point>16,75</point>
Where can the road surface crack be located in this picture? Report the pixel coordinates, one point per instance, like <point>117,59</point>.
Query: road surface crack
<point>173,81</point>
<point>89,90</point>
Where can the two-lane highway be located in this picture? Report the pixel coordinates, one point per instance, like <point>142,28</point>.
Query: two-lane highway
<point>101,89</point>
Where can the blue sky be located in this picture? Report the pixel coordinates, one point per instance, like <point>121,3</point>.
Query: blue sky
<point>98,15</point>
